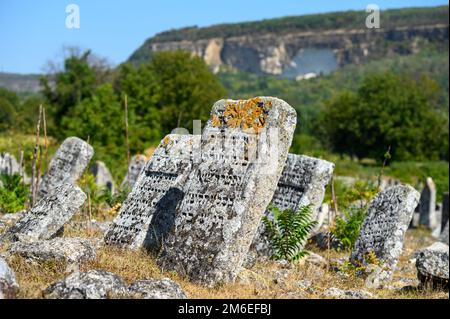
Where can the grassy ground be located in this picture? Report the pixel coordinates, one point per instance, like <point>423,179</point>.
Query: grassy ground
<point>264,280</point>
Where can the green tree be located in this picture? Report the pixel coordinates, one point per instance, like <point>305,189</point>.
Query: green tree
<point>387,110</point>
<point>8,105</point>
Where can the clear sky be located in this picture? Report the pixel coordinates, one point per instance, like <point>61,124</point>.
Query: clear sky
<point>33,32</point>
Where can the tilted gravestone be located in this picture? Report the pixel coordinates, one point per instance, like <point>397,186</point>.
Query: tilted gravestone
<point>148,212</point>
<point>302,183</point>
<point>102,176</point>
<point>244,147</point>
<point>48,216</point>
<point>67,166</point>
<point>427,205</point>
<point>135,167</point>
<point>383,230</point>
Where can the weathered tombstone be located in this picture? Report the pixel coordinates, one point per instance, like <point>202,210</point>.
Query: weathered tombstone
<point>9,164</point>
<point>135,167</point>
<point>302,183</point>
<point>427,205</point>
<point>148,212</point>
<point>47,217</point>
<point>244,149</point>
<point>68,164</point>
<point>444,234</point>
<point>102,176</point>
<point>384,228</point>
<point>445,212</point>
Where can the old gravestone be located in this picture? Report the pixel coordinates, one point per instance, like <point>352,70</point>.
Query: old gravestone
<point>135,167</point>
<point>148,212</point>
<point>427,205</point>
<point>302,182</point>
<point>102,176</point>
<point>384,228</point>
<point>9,164</point>
<point>47,217</point>
<point>244,148</point>
<point>445,211</point>
<point>66,166</point>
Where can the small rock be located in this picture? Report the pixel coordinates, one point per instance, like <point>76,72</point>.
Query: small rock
<point>321,240</point>
<point>157,289</point>
<point>304,284</point>
<point>8,283</point>
<point>316,260</point>
<point>337,293</point>
<point>94,284</point>
<point>70,250</point>
<point>377,277</point>
<point>432,266</point>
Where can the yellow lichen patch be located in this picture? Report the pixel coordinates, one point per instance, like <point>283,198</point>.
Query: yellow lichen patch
<point>166,141</point>
<point>244,114</point>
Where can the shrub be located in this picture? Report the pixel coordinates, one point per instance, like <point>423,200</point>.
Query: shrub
<point>289,231</point>
<point>347,227</point>
<point>13,193</point>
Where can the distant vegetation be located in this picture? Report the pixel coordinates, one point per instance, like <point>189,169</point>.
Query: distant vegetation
<point>314,22</point>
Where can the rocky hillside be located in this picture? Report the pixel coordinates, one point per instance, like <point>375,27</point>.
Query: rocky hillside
<point>306,45</point>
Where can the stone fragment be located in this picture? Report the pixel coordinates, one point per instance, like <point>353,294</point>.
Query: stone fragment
<point>94,284</point>
<point>8,283</point>
<point>157,289</point>
<point>382,233</point>
<point>48,216</point>
<point>148,213</point>
<point>444,235</point>
<point>244,149</point>
<point>69,250</point>
<point>135,167</point>
<point>302,183</point>
<point>432,266</point>
<point>68,164</point>
<point>337,293</point>
<point>427,205</point>
<point>445,212</point>
<point>102,176</point>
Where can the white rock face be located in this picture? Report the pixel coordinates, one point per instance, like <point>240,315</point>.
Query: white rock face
<point>67,166</point>
<point>157,289</point>
<point>94,284</point>
<point>8,283</point>
<point>432,265</point>
<point>244,147</point>
<point>47,217</point>
<point>384,228</point>
<point>148,213</point>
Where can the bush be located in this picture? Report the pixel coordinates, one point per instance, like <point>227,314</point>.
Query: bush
<point>347,227</point>
<point>289,231</point>
<point>13,193</point>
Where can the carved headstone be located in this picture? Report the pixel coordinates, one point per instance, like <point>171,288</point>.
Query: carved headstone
<point>135,167</point>
<point>244,149</point>
<point>383,230</point>
<point>68,164</point>
<point>427,205</point>
<point>47,217</point>
<point>302,183</point>
<point>102,176</point>
<point>445,211</point>
<point>9,164</point>
<point>148,212</point>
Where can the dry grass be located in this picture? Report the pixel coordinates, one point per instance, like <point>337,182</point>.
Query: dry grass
<point>264,280</point>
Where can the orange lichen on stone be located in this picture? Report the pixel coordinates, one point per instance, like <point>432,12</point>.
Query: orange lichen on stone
<point>166,141</point>
<point>244,114</point>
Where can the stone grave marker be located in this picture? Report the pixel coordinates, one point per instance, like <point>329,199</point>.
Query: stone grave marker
<point>135,167</point>
<point>9,164</point>
<point>102,176</point>
<point>244,147</point>
<point>384,228</point>
<point>48,216</point>
<point>445,211</point>
<point>302,183</point>
<point>148,212</point>
<point>68,164</point>
<point>427,205</point>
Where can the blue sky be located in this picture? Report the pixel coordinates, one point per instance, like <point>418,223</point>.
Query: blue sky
<point>33,32</point>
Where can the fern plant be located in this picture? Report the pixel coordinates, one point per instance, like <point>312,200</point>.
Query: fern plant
<point>13,193</point>
<point>288,232</point>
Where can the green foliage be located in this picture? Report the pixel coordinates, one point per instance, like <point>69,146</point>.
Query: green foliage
<point>13,193</point>
<point>347,227</point>
<point>387,110</point>
<point>289,231</point>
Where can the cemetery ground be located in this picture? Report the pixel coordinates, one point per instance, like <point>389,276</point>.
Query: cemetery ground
<point>307,279</point>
